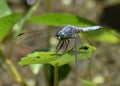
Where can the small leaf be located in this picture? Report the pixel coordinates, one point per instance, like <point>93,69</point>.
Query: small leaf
<point>35,68</point>
<point>4,9</point>
<point>87,83</point>
<point>6,24</point>
<point>38,58</point>
<point>53,58</point>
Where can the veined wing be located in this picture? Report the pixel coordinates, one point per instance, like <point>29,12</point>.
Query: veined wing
<point>36,39</point>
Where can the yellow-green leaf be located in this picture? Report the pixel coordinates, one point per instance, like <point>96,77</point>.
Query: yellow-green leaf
<point>53,58</point>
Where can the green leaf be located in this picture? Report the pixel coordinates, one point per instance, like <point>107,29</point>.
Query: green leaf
<point>6,24</point>
<point>4,9</point>
<point>87,83</point>
<point>58,19</point>
<point>53,58</point>
<point>102,35</point>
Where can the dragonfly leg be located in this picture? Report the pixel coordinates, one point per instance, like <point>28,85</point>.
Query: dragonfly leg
<point>60,45</point>
<point>67,43</point>
<point>75,47</point>
<point>57,47</point>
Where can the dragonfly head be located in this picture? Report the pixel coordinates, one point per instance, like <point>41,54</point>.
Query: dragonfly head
<point>60,35</point>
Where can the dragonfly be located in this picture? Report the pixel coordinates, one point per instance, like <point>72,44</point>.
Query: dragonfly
<point>64,35</point>
<point>69,32</point>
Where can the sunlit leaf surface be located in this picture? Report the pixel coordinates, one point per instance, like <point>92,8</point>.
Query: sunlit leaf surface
<point>53,58</point>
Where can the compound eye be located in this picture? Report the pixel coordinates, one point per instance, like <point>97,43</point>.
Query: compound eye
<point>62,34</point>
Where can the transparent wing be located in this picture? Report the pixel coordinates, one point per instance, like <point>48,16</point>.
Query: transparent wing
<point>36,39</point>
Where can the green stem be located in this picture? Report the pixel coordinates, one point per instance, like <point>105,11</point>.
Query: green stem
<point>56,74</point>
<point>13,70</point>
<point>15,73</point>
<point>19,26</point>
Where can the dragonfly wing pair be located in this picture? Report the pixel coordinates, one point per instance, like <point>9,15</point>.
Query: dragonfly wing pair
<point>37,39</point>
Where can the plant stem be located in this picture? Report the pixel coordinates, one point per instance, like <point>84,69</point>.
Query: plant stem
<point>19,26</point>
<point>13,70</point>
<point>16,76</point>
<point>56,74</point>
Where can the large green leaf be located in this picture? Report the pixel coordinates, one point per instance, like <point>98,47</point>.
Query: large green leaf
<point>4,9</point>
<point>53,58</point>
<point>57,19</point>
<point>6,24</point>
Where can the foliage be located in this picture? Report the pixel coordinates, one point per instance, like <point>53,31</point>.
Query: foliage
<point>6,24</point>
<point>9,19</point>
<point>53,58</point>
<point>58,19</point>
<point>57,60</point>
<point>4,9</point>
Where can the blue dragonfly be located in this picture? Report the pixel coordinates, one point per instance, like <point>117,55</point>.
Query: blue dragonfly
<point>69,32</point>
<point>64,35</point>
